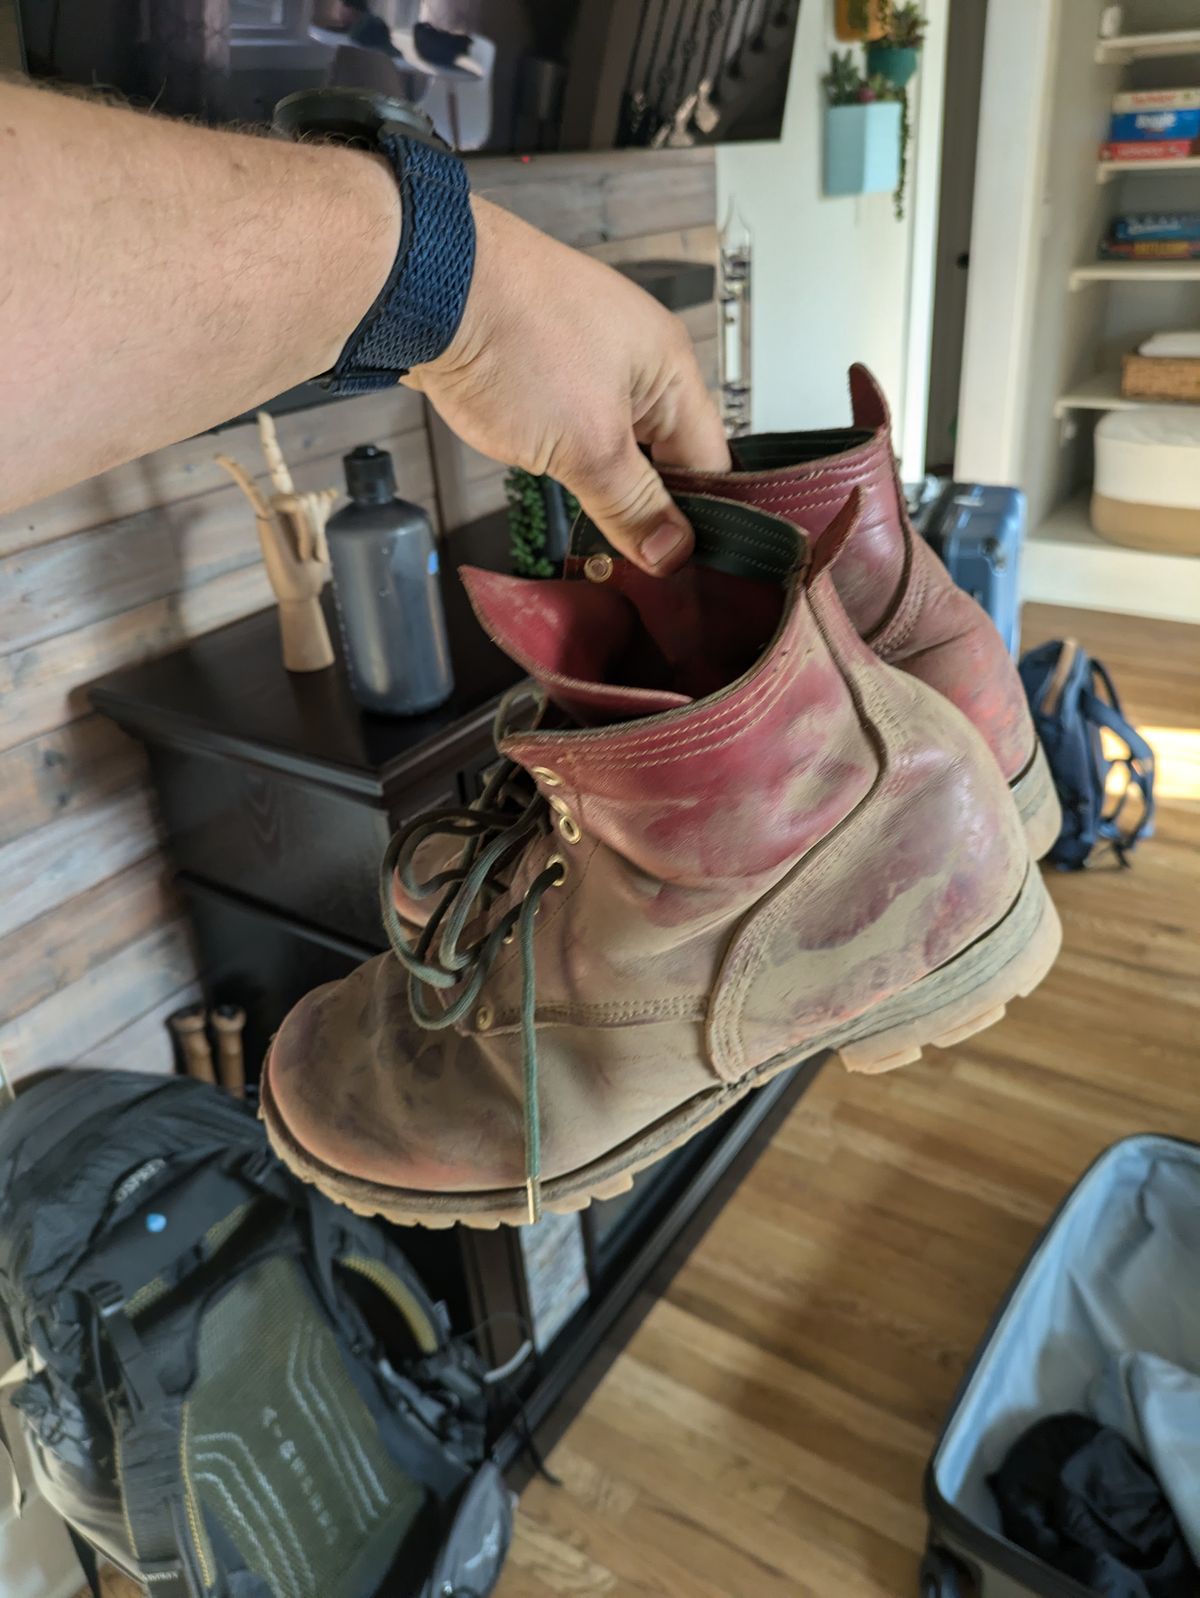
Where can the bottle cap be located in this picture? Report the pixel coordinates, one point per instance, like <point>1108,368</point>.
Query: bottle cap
<point>370,479</point>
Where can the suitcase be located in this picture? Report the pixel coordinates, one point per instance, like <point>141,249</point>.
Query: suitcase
<point>1116,1271</point>
<point>977,532</point>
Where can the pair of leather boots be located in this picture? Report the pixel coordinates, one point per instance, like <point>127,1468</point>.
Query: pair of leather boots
<point>787,800</point>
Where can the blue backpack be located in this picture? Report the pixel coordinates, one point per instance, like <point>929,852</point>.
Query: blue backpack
<point>1072,697</point>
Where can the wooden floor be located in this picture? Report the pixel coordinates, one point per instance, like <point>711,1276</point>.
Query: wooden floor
<point>765,1433</point>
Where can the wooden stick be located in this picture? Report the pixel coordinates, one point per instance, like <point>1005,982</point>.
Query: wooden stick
<point>188,1028</point>
<point>228,1022</point>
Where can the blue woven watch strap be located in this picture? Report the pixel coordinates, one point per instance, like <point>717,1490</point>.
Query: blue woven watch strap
<point>419,308</point>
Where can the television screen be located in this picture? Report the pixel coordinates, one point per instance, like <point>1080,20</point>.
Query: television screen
<point>502,76</point>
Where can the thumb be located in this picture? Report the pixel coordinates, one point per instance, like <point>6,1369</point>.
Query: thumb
<point>628,502</point>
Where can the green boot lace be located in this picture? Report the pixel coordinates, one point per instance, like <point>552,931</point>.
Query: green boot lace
<point>496,829</point>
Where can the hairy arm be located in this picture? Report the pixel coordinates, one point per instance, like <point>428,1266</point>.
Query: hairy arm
<point>158,278</point>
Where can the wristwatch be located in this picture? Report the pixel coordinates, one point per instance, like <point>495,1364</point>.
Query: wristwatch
<point>417,312</point>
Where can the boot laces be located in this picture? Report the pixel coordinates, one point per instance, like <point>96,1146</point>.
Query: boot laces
<point>496,829</point>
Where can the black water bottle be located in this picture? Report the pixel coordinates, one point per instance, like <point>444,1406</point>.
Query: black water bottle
<point>385,583</point>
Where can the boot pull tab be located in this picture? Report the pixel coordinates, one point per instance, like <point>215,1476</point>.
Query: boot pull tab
<point>868,403</point>
<point>836,536</point>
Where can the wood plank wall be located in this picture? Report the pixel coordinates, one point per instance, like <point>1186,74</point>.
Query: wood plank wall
<point>94,951</point>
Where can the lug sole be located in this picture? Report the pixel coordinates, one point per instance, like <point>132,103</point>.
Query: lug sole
<point>967,994</point>
<point>1037,803</point>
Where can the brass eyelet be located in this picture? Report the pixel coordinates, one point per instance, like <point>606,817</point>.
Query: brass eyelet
<point>548,778</point>
<point>560,862</point>
<point>598,568</point>
<point>570,828</point>
<point>484,1017</point>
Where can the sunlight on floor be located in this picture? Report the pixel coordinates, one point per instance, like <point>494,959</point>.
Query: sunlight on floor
<point>1176,761</point>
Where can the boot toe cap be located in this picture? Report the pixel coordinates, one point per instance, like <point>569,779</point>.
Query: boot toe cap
<point>356,1088</point>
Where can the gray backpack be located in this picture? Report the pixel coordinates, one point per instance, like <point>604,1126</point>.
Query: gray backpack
<point>228,1385</point>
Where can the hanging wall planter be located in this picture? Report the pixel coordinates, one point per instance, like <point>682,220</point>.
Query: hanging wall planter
<point>897,63</point>
<point>862,148</point>
<point>867,123</point>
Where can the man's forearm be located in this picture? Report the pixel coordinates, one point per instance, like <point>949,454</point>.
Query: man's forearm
<point>157,278</point>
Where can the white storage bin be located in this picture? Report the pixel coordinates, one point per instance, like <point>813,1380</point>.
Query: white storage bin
<point>1147,484</point>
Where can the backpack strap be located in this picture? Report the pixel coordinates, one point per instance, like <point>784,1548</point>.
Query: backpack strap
<point>147,1464</point>
<point>1138,763</point>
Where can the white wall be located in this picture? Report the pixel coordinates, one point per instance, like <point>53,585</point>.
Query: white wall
<point>833,277</point>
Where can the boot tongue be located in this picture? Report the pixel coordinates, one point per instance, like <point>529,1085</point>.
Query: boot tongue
<point>620,643</point>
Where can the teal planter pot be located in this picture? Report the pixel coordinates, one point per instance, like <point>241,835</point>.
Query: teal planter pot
<point>862,148</point>
<point>896,63</point>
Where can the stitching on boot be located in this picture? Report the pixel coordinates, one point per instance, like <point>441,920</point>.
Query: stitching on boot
<point>790,498</point>
<point>727,718</point>
<point>700,718</point>
<point>779,458</point>
<point>842,465</point>
<point>562,1012</point>
<point>735,513</point>
<point>894,634</point>
<point>668,751</point>
<point>727,712</point>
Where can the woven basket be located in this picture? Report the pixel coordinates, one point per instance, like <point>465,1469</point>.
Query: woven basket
<point>1161,377</point>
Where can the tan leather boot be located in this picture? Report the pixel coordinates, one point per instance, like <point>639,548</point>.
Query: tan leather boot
<point>766,843</point>
<point>894,588</point>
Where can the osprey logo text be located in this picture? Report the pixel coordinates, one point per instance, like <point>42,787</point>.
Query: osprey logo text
<point>292,1457</point>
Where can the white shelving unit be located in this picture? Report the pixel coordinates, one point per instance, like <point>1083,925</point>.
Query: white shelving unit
<point>1042,357</point>
<point>1107,170</point>
<point>1066,563</point>
<point>1123,48</point>
<point>1135,272</point>
<point>1099,392</point>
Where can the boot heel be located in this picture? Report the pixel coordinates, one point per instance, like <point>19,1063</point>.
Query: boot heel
<point>967,994</point>
<point>1037,804</point>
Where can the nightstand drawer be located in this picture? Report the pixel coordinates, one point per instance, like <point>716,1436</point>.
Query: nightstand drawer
<point>303,849</point>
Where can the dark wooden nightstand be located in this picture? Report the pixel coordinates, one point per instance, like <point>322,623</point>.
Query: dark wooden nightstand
<point>278,796</point>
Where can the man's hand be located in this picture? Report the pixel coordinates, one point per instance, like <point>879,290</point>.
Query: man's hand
<point>563,366</point>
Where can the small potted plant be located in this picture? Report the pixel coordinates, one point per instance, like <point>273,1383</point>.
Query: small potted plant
<point>894,56</point>
<point>862,130</point>
<point>861,19</point>
<point>540,513</point>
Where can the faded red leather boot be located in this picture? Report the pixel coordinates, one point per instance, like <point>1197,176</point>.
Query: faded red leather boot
<point>894,588</point>
<point>763,843</point>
